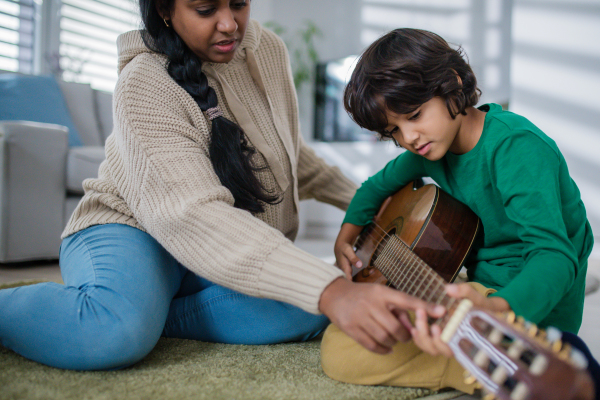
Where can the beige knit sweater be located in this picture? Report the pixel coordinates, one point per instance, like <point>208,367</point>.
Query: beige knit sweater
<point>158,177</point>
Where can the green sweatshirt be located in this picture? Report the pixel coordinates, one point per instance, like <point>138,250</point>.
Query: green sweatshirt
<point>536,237</point>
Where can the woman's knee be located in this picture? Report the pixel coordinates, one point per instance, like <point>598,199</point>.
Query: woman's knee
<point>112,339</point>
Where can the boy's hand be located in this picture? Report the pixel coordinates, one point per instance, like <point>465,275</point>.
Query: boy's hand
<point>428,338</point>
<point>370,313</point>
<point>344,250</point>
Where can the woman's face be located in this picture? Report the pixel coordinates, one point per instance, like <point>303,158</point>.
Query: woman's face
<point>212,29</point>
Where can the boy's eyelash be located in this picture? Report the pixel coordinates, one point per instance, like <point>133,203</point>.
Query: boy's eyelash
<point>415,116</point>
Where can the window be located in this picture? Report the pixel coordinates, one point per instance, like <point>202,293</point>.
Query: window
<point>88,35</point>
<point>16,35</point>
<point>481,27</point>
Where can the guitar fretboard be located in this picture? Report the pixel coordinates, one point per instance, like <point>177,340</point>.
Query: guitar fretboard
<point>408,273</point>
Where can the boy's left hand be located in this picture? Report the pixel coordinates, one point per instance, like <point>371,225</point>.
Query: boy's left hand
<point>428,338</point>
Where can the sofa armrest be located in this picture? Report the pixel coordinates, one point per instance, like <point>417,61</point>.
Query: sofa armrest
<point>32,189</point>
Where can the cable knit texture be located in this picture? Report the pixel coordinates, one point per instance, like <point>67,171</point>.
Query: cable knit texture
<point>158,177</point>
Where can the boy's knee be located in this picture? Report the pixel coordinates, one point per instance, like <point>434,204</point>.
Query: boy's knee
<point>337,356</point>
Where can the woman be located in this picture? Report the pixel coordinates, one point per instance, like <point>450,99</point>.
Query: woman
<point>188,230</point>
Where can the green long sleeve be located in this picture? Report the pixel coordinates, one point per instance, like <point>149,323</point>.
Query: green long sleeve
<point>536,237</point>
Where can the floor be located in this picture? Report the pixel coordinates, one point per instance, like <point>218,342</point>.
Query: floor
<point>323,248</point>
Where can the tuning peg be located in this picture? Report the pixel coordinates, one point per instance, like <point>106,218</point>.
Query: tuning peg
<point>481,359</point>
<point>469,380</point>
<point>520,322</point>
<point>499,375</point>
<point>554,335</point>
<point>565,352</point>
<point>516,349</point>
<point>538,365</point>
<point>489,396</point>
<point>557,346</point>
<point>510,317</point>
<point>520,392</point>
<point>495,336</point>
<point>578,359</point>
<point>532,330</point>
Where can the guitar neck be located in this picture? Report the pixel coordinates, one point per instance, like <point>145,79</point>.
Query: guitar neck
<point>408,273</point>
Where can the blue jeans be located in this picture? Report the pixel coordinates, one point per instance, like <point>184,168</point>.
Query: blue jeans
<point>122,291</point>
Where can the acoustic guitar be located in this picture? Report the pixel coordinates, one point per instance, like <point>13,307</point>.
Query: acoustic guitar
<point>417,243</point>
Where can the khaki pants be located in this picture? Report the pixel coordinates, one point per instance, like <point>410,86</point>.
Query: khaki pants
<point>345,360</point>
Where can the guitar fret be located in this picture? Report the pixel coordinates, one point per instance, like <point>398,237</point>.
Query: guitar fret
<point>408,272</point>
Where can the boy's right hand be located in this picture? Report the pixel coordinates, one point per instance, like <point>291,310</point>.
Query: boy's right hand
<point>345,256</point>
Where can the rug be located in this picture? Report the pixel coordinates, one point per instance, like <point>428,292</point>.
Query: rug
<point>186,369</point>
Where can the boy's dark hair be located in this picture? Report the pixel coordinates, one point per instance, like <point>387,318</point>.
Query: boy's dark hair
<point>401,71</point>
<point>229,150</point>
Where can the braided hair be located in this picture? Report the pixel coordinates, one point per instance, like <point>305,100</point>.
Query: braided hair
<point>229,150</point>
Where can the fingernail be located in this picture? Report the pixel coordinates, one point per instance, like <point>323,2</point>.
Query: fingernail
<point>439,309</point>
<point>359,264</point>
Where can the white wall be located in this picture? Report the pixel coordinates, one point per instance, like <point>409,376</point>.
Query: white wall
<point>555,80</point>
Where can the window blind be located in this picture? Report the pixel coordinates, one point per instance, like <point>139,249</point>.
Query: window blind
<point>16,35</point>
<point>88,35</point>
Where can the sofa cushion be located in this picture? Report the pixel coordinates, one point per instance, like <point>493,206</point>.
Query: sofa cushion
<point>82,107</point>
<point>36,98</point>
<point>104,109</point>
<point>83,163</point>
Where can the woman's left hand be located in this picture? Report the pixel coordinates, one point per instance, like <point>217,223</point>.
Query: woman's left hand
<point>428,338</point>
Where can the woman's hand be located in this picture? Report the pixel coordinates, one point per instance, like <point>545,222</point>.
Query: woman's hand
<point>343,249</point>
<point>370,313</point>
<point>428,338</point>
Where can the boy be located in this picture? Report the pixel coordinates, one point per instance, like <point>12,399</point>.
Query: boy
<point>411,87</point>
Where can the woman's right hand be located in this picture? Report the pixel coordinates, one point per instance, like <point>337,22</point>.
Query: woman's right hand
<point>371,313</point>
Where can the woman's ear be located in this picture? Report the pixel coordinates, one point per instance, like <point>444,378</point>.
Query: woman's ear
<point>162,10</point>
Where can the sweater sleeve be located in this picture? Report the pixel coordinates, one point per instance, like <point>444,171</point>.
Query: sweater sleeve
<point>531,196</point>
<point>166,177</point>
<point>318,180</point>
<point>373,192</point>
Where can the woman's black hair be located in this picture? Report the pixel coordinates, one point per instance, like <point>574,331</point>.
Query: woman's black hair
<point>229,150</point>
<point>403,70</point>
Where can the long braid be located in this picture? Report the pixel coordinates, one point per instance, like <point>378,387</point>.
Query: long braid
<point>229,150</point>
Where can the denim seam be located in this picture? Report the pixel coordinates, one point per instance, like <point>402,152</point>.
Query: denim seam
<point>201,306</point>
<point>87,249</point>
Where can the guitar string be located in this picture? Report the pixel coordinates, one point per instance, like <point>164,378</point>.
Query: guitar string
<point>405,252</point>
<point>410,271</point>
<point>403,276</point>
<point>411,264</point>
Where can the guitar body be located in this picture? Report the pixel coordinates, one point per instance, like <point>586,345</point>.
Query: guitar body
<point>417,242</point>
<point>435,226</point>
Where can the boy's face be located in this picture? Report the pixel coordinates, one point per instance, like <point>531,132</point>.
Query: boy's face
<point>429,131</point>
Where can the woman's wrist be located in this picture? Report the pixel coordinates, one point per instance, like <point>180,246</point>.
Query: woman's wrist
<point>333,291</point>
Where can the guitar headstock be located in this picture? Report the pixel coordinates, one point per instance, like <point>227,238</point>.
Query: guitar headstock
<point>514,360</point>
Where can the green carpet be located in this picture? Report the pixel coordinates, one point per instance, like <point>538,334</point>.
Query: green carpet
<point>185,369</point>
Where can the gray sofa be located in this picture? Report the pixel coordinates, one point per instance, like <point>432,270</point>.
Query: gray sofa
<point>41,176</point>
